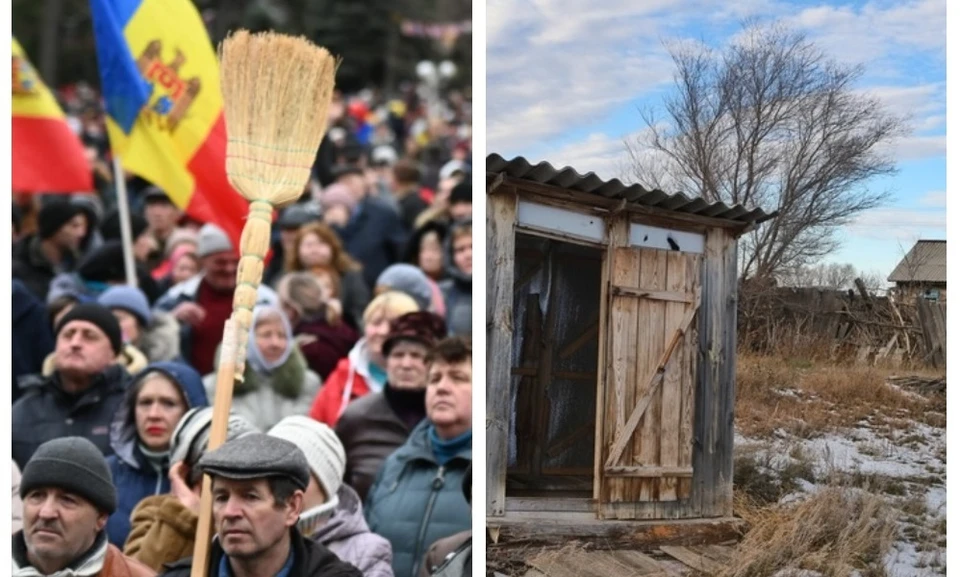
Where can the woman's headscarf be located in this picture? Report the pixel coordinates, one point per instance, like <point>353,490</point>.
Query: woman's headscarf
<point>254,356</point>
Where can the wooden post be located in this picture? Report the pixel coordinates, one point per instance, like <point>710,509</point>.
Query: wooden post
<point>501,244</point>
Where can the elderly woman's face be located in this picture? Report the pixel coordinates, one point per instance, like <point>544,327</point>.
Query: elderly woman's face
<point>271,337</point>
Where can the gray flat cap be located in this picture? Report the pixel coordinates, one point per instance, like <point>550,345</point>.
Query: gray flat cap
<point>254,456</point>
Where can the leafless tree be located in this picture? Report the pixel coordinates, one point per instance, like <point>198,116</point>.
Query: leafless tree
<point>833,276</point>
<point>770,122</point>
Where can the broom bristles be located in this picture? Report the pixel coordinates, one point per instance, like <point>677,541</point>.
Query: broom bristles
<point>276,92</point>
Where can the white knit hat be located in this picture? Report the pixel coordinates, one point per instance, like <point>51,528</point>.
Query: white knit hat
<point>324,452</point>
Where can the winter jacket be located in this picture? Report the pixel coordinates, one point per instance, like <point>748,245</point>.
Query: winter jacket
<point>324,345</point>
<point>161,340</point>
<point>449,557</point>
<point>46,412</point>
<point>130,358</point>
<point>346,534</point>
<point>133,475</point>
<point>32,267</point>
<point>411,206</point>
<point>258,398</point>
<point>32,336</point>
<point>457,294</point>
<point>415,501</point>
<point>162,531</point>
<point>102,560</point>
<point>355,296</point>
<point>375,236</point>
<point>370,431</point>
<point>349,380</point>
<point>310,559</point>
<point>187,292</point>
<point>16,505</point>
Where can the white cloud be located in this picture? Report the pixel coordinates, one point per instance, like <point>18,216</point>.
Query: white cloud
<point>898,223</point>
<point>878,29</point>
<point>917,147</point>
<point>559,66</point>
<point>934,199</point>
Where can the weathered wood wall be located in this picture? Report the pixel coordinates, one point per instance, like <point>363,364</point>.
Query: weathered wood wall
<point>708,444</point>
<point>501,222</point>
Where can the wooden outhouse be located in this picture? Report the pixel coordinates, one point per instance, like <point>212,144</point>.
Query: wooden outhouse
<point>611,349</point>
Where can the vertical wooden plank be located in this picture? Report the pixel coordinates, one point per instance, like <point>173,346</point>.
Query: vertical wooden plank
<point>707,400</point>
<point>651,343</point>
<point>688,380</point>
<point>723,496</point>
<point>673,376</point>
<point>625,312</point>
<point>617,230</point>
<point>501,245</point>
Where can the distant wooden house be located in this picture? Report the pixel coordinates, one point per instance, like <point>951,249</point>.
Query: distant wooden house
<point>922,273</point>
<point>611,355</point>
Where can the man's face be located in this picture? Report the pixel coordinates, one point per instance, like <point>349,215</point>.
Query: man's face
<point>461,211</point>
<point>406,366</point>
<point>162,216</point>
<point>220,270</point>
<point>58,527</point>
<point>83,349</point>
<point>71,233</point>
<point>463,253</point>
<point>248,520</point>
<point>356,183</point>
<point>449,394</point>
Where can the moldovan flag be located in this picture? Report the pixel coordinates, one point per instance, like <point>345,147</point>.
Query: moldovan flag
<point>160,81</point>
<point>47,155</point>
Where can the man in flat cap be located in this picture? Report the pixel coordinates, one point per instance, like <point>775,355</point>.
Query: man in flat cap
<point>82,394</point>
<point>258,483</point>
<point>68,495</point>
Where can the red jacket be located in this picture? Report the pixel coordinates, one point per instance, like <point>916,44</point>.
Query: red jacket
<point>347,382</point>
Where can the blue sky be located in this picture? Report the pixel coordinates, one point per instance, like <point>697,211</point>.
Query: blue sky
<point>565,78</point>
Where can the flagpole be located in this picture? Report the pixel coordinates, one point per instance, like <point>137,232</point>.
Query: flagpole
<point>126,235</point>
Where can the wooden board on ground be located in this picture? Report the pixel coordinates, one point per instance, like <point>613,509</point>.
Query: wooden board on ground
<point>699,558</point>
<point>576,562</point>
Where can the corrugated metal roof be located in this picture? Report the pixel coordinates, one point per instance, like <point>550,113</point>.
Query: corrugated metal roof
<point>568,178</point>
<point>926,262</point>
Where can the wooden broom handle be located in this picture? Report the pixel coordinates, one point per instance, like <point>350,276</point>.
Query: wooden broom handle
<point>254,243</point>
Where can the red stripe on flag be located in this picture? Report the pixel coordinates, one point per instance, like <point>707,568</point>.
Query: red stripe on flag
<point>214,199</point>
<point>48,157</point>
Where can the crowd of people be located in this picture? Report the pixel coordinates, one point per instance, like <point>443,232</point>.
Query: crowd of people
<point>348,446</point>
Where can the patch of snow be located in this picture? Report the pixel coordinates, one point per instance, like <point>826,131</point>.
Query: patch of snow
<point>904,560</point>
<point>937,500</point>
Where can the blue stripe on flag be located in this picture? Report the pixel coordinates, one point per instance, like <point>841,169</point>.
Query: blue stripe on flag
<point>124,90</point>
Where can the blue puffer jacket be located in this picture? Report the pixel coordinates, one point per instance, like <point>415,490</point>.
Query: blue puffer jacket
<point>415,501</point>
<point>133,475</point>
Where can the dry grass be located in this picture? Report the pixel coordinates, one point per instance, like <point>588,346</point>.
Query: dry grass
<point>834,532</point>
<point>806,399</point>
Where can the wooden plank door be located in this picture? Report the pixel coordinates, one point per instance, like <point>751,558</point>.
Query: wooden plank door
<point>646,454</point>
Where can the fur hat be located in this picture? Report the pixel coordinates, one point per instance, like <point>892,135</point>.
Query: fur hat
<point>423,327</point>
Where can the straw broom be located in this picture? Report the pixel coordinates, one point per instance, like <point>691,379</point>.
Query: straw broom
<point>276,93</point>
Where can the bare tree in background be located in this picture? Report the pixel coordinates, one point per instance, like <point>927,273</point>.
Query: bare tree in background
<point>770,122</point>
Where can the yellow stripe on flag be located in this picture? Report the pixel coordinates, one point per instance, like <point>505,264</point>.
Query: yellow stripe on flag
<point>31,97</point>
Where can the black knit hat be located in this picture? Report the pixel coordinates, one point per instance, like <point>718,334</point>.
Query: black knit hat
<point>462,192</point>
<point>73,464</point>
<point>104,264</point>
<point>99,316</point>
<point>110,229</point>
<point>54,214</point>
